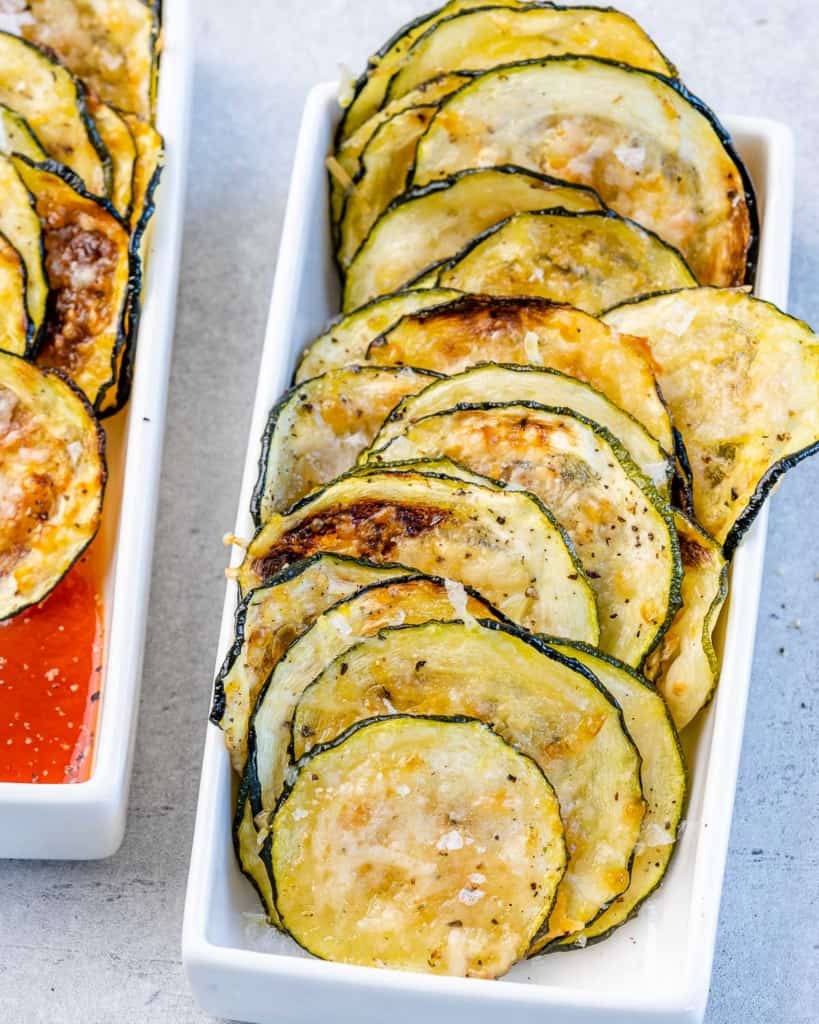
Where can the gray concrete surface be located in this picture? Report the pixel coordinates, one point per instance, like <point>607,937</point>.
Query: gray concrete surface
<point>99,943</point>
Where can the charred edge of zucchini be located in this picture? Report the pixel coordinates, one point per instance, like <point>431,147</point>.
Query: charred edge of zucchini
<point>682,493</point>
<point>30,335</point>
<point>701,107</point>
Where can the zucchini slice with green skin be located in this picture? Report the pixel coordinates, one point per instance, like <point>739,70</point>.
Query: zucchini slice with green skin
<point>477,329</point>
<point>590,260</point>
<point>510,384</point>
<point>21,226</point>
<point>650,149</point>
<point>741,379</point>
<point>51,516</point>
<point>547,705</point>
<point>39,89</point>
<point>120,144</point>
<point>346,340</point>
<point>504,544</point>
<point>358,844</point>
<point>664,782</point>
<point>431,224</point>
<point>403,600</point>
<point>385,162</point>
<point>88,265</point>
<point>486,38</point>
<point>268,620</point>
<point>17,136</point>
<point>318,429</point>
<point>16,330</point>
<point>685,667</point>
<point>113,45</point>
<point>150,154</point>
<point>621,529</point>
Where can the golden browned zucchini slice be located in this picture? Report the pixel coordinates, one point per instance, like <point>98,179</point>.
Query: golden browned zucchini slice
<point>111,44</point>
<point>485,38</point>
<point>52,101</point>
<point>88,266</point>
<point>316,432</point>
<point>346,340</point>
<point>268,620</point>
<point>663,778</point>
<point>622,530</point>
<point>589,260</point>
<point>21,226</point>
<point>651,150</point>
<point>385,163</point>
<point>120,144</point>
<point>504,544</point>
<point>510,384</point>
<point>431,224</point>
<point>684,666</point>
<point>742,381</point>
<point>49,517</point>
<point>16,330</point>
<point>547,705</point>
<point>18,137</point>
<point>358,840</point>
<point>150,155</point>
<point>475,329</point>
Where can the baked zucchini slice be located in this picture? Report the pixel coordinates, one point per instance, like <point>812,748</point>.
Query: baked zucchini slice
<point>620,527</point>
<point>49,517</point>
<point>545,704</point>
<point>150,154</point>
<point>504,544</point>
<point>590,260</point>
<point>663,779</point>
<point>21,226</point>
<point>317,430</point>
<point>52,101</point>
<point>510,384</point>
<point>17,136</point>
<point>421,844</point>
<point>268,620</point>
<point>121,147</point>
<point>685,667</point>
<point>113,45</point>
<point>474,329</point>
<point>488,37</point>
<point>650,150</point>
<point>16,330</point>
<point>431,224</point>
<point>89,269</point>
<point>742,382</point>
<point>385,162</point>
<point>346,339</point>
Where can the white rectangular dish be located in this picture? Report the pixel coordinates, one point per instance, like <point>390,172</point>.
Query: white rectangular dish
<point>657,968</point>
<point>87,820</point>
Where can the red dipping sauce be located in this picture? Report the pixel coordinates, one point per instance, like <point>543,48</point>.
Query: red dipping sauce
<point>50,679</point>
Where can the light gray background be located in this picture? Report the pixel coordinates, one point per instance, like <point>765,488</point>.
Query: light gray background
<point>99,943</point>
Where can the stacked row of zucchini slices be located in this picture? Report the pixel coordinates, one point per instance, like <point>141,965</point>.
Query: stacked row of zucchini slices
<point>494,512</point>
<point>80,161</point>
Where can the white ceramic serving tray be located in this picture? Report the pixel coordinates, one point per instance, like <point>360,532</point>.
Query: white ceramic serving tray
<point>656,968</point>
<point>87,820</point>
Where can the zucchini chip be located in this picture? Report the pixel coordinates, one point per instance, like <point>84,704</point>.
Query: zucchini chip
<point>17,136</point>
<point>49,517</point>
<point>685,667</point>
<point>39,89</point>
<point>120,144</point>
<point>663,778</point>
<point>590,260</point>
<point>651,150</point>
<point>418,843</point>
<point>21,226</point>
<point>385,162</point>
<point>111,44</point>
<point>475,329</point>
<point>511,384</point>
<point>431,224</point>
<point>742,382</point>
<point>16,330</point>
<point>548,706</point>
<point>622,531</point>
<point>268,620</point>
<point>346,340</point>
<point>488,37</point>
<point>317,430</point>
<point>88,266</point>
<point>504,544</point>
<point>150,155</point>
